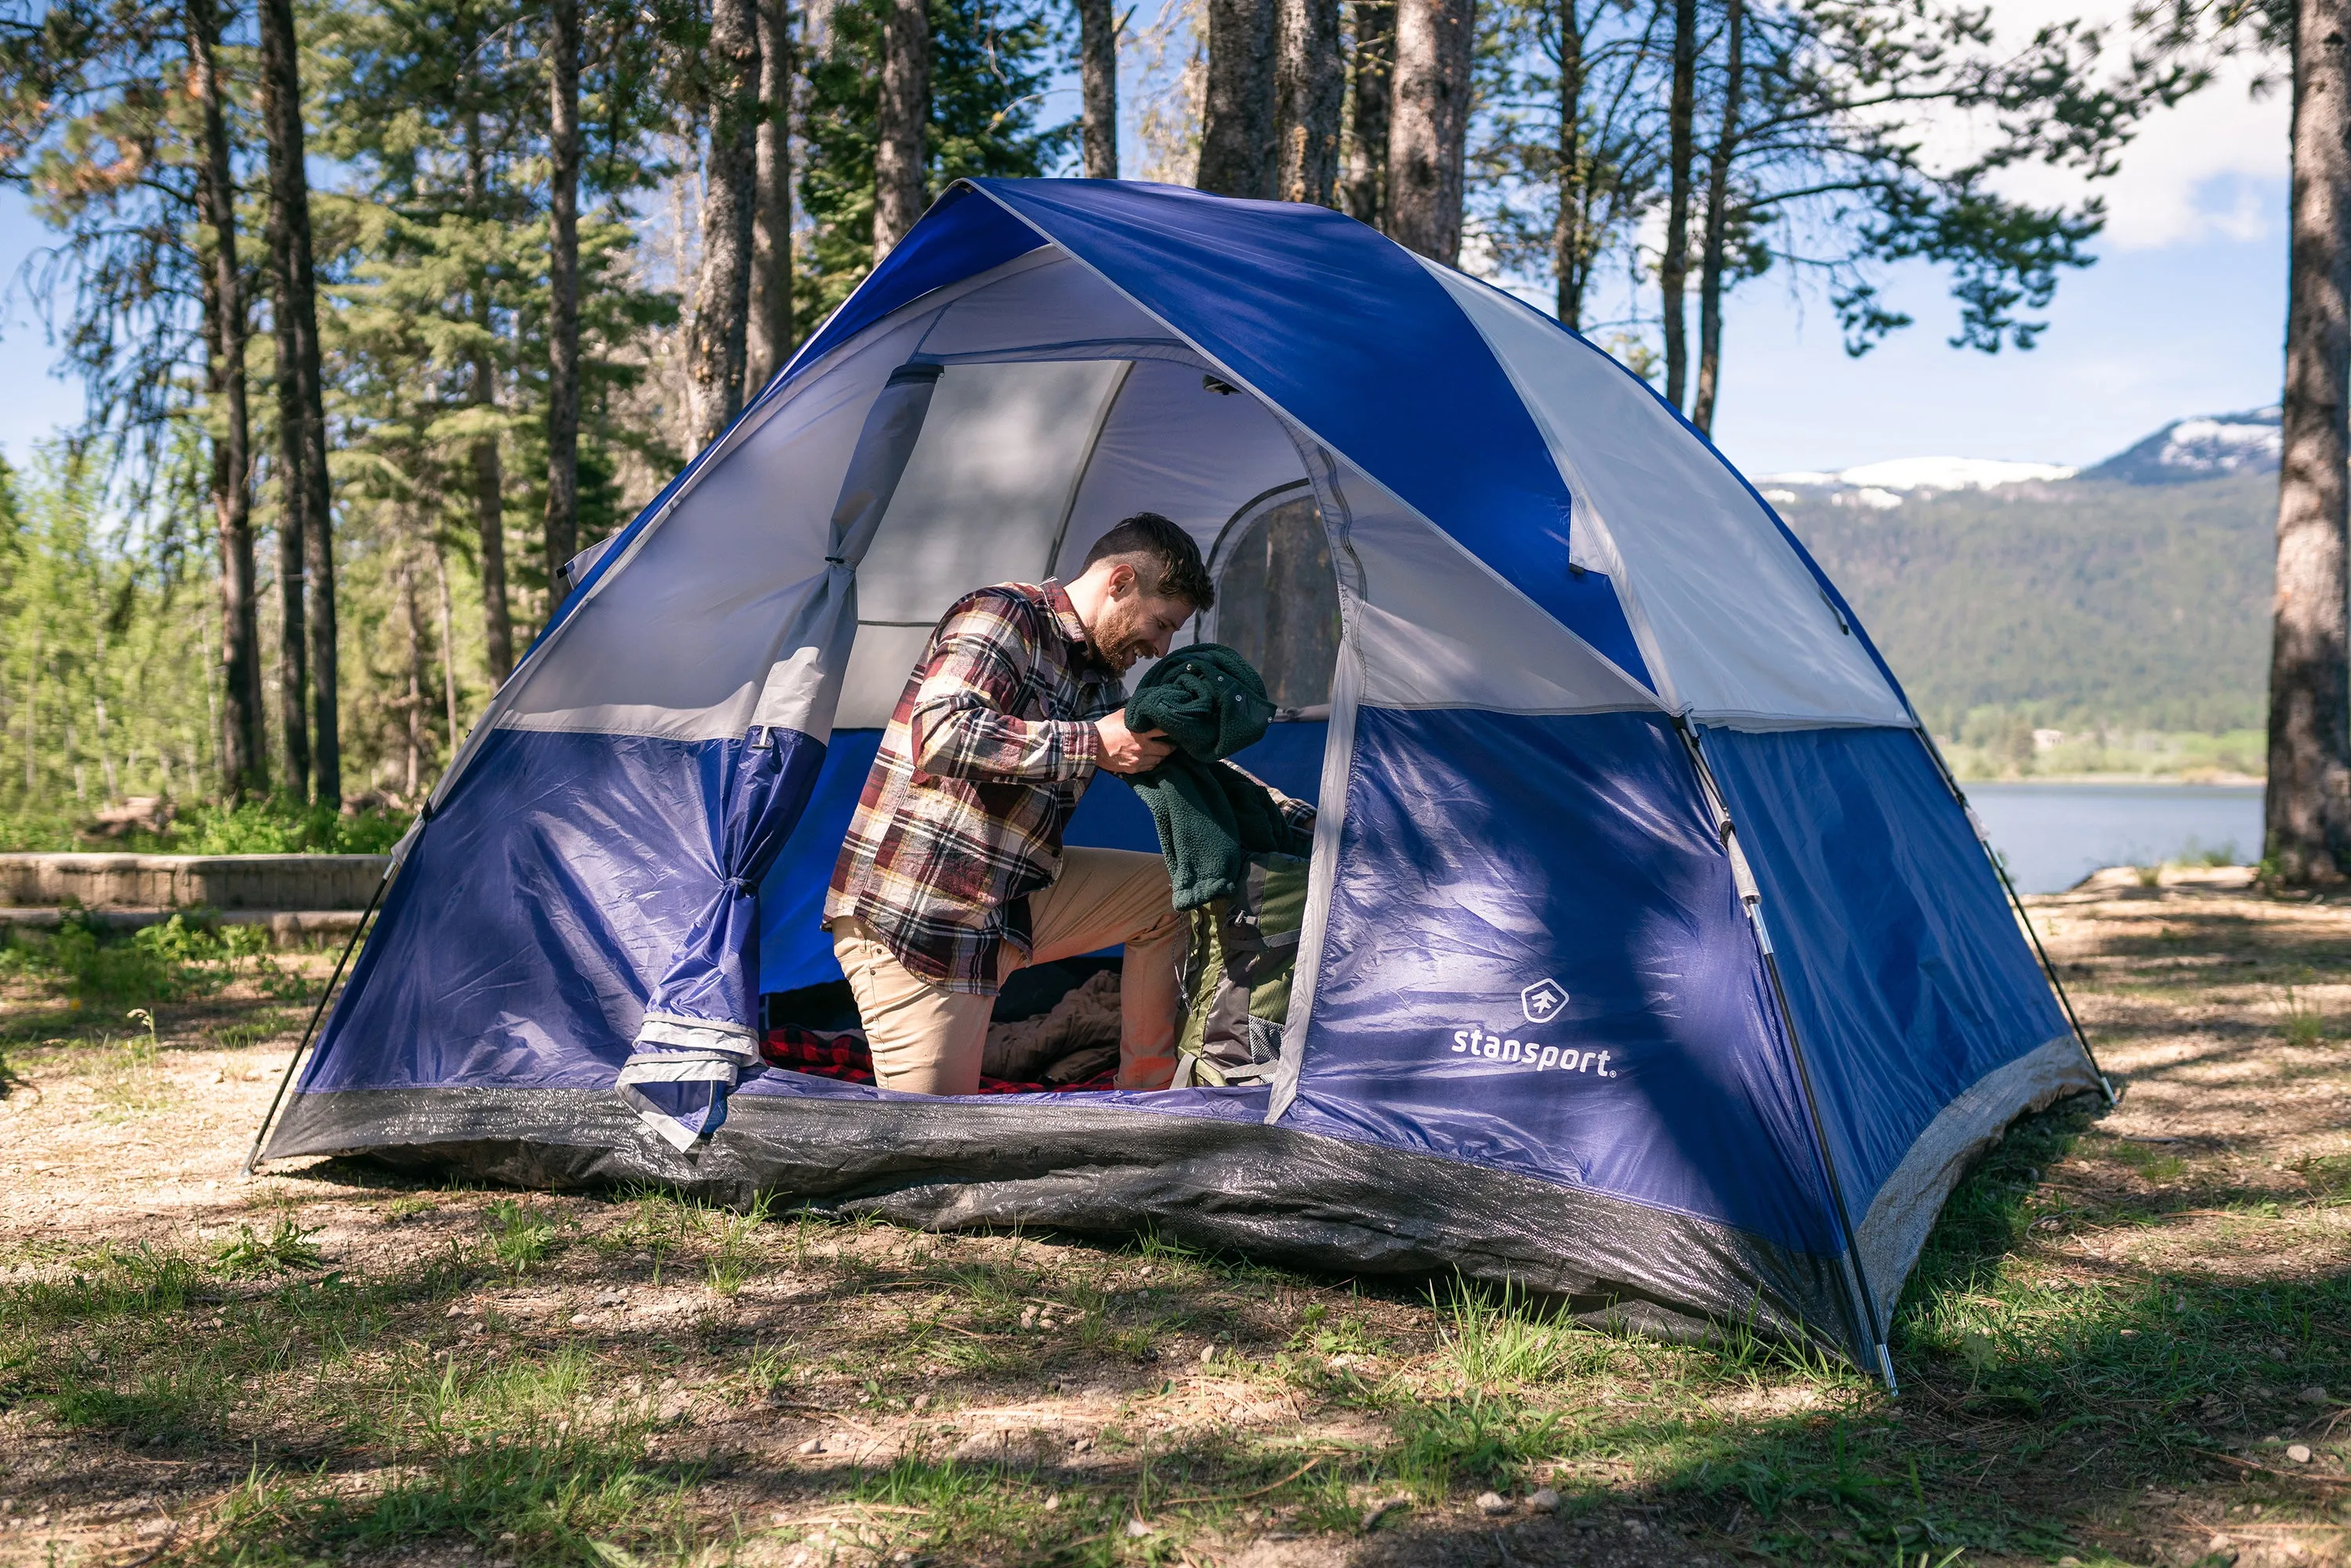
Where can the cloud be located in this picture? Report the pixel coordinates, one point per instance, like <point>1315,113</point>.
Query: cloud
<point>2211,168</point>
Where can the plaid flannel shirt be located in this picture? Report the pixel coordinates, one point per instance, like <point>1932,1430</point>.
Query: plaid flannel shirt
<point>992,743</point>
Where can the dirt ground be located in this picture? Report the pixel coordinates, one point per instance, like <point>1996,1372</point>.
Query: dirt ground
<point>2129,1341</point>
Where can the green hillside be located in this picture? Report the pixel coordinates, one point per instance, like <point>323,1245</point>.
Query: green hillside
<point>2115,612</point>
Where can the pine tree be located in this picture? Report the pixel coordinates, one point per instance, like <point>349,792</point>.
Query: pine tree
<point>989,63</point>
<point>307,584</point>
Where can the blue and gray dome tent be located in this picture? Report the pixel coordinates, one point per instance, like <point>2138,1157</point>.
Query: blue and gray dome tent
<point>1649,955</point>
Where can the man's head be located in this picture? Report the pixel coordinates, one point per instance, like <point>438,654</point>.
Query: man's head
<point>1142,581</point>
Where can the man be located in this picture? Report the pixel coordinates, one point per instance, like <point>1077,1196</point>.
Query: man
<point>954,875</point>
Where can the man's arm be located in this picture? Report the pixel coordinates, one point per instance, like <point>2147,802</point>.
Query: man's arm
<point>962,721</point>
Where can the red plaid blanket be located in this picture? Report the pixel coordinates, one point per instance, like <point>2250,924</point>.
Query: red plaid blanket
<point>841,1053</point>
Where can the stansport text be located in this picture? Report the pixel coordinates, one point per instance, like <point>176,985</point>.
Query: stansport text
<point>1475,1042</point>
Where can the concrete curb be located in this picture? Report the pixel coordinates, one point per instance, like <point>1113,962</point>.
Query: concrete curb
<point>224,883</point>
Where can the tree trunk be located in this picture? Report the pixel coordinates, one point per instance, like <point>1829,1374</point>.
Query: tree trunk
<point>1098,77</point>
<point>301,401</point>
<point>293,646</point>
<point>900,162</point>
<point>286,173</point>
<point>770,342</point>
<point>1673,269</point>
<point>1367,147</point>
<point>1309,92</point>
<point>489,522</point>
<point>718,338</point>
<point>1429,126</point>
<point>414,703</point>
<point>1237,129</point>
<point>1717,218</point>
<point>1570,244</point>
<point>563,295</point>
<point>489,476</point>
<point>2308,800</point>
<point>448,643</point>
<point>243,760</point>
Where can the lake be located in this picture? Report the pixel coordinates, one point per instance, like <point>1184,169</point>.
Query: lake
<point>2053,835</point>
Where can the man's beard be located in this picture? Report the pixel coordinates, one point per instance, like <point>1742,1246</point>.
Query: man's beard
<point>1119,647</point>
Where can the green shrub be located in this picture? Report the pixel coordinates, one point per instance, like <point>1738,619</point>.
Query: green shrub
<point>271,827</point>
<point>179,959</point>
<point>287,1248</point>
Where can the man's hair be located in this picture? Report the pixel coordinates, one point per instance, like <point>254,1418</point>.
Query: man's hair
<point>1163,555</point>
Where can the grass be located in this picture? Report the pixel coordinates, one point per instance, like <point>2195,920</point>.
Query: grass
<point>2300,1020</point>
<point>288,1247</point>
<point>522,1237</point>
<point>345,1364</point>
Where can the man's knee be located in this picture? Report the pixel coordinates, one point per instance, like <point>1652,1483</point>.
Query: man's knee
<point>1158,920</point>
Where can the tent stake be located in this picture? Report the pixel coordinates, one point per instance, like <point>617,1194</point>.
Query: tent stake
<point>1751,897</point>
<point>253,1159</point>
<point>2031,933</point>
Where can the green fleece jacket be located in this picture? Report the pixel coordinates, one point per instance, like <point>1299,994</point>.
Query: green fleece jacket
<point>1210,815</point>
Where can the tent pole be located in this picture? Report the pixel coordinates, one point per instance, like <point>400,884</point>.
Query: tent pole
<point>2031,933</point>
<point>1751,897</point>
<point>253,1159</point>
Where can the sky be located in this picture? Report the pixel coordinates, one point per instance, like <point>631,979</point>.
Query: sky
<point>2183,314</point>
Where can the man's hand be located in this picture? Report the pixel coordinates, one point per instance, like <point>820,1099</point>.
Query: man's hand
<point>1123,752</point>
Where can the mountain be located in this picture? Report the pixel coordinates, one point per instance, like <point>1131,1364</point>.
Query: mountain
<point>2132,595</point>
<point>2205,447</point>
<point>1884,484</point>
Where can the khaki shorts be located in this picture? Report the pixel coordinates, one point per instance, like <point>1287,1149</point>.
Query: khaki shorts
<point>927,1039</point>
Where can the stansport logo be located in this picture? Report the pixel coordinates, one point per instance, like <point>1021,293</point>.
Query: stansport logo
<point>1527,1053</point>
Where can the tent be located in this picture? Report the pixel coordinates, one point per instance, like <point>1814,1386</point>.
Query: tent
<point>1650,957</point>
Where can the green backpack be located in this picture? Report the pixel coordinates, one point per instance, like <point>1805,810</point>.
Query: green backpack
<point>1237,976</point>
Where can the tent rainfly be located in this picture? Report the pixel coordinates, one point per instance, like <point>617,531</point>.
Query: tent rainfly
<point>1650,957</point>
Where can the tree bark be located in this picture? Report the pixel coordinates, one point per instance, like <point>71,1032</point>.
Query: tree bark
<point>1098,79</point>
<point>243,760</point>
<point>489,476</point>
<point>413,705</point>
<point>2308,800</point>
<point>1367,147</point>
<point>1309,92</point>
<point>770,342</point>
<point>717,340</point>
<point>1570,247</point>
<point>301,401</point>
<point>563,295</point>
<point>1236,127</point>
<point>1717,218</point>
<point>1429,125</point>
<point>1673,269</point>
<point>293,642</point>
<point>448,643</point>
<point>900,162</point>
<point>489,521</point>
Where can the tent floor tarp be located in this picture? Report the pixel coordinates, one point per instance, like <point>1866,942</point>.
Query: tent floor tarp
<point>1222,1183</point>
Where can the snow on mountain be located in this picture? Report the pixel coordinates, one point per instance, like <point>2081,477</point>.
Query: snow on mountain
<point>2205,446</point>
<point>2200,448</point>
<point>1888,484</point>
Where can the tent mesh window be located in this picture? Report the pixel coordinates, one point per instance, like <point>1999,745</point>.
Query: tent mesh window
<point>1278,600</point>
